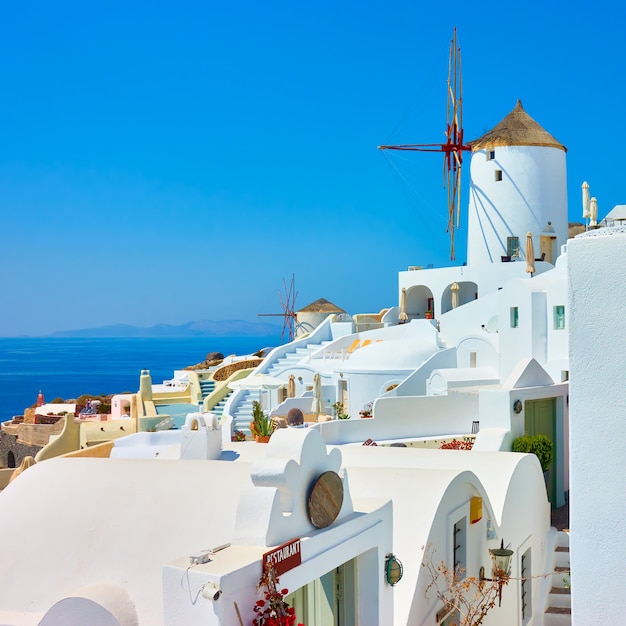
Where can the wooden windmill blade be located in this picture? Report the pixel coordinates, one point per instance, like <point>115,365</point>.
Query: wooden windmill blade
<point>454,147</point>
<point>288,305</point>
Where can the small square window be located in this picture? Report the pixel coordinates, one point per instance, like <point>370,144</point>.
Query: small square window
<point>559,317</point>
<point>514,317</point>
<point>491,155</point>
<point>498,175</point>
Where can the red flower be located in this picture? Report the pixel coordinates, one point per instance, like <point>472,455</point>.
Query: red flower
<point>277,612</point>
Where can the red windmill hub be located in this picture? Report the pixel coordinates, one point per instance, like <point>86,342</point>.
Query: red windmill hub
<point>454,146</point>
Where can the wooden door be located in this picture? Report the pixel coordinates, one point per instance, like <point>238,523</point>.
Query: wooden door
<point>545,246</point>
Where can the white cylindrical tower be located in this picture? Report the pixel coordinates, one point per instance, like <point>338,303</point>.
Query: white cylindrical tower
<point>518,184</point>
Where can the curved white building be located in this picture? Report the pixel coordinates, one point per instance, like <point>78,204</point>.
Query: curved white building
<point>517,185</point>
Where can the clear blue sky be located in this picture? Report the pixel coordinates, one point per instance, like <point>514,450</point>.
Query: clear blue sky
<point>173,161</point>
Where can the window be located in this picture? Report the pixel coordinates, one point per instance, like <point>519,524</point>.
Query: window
<point>491,155</point>
<point>472,359</point>
<point>459,541</point>
<point>526,587</point>
<point>498,175</point>
<point>512,246</point>
<point>559,317</point>
<point>514,317</point>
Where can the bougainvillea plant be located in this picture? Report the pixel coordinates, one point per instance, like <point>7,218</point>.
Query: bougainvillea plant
<point>457,444</point>
<point>239,435</point>
<point>271,609</point>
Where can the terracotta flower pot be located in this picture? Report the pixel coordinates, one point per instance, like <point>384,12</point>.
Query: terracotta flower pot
<point>262,439</point>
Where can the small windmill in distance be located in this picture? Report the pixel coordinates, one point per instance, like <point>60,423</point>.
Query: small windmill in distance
<point>288,304</point>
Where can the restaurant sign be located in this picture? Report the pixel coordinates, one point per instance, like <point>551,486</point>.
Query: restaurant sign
<point>283,558</point>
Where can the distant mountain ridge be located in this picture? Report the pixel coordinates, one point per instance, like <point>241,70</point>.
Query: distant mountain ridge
<point>199,328</point>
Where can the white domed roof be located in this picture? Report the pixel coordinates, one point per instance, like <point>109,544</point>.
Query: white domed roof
<point>393,354</point>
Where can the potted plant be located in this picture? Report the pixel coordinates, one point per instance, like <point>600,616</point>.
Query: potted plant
<point>539,445</point>
<point>339,412</point>
<point>261,425</point>
<point>239,435</point>
<point>428,315</point>
<point>366,411</point>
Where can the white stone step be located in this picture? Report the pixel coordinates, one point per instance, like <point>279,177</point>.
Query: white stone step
<point>560,598</point>
<point>562,538</point>
<point>560,577</point>
<point>561,556</point>
<point>557,617</point>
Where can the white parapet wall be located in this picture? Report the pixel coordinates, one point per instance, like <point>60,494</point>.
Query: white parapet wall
<point>597,335</point>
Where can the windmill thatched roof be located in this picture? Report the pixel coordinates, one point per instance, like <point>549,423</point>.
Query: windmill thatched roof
<point>321,306</point>
<point>516,129</point>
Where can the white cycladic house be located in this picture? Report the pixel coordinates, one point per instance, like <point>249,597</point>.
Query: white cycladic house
<point>184,542</point>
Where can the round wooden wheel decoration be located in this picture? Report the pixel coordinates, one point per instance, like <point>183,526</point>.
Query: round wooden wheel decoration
<point>325,500</point>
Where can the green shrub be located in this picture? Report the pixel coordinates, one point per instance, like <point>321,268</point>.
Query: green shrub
<point>539,445</point>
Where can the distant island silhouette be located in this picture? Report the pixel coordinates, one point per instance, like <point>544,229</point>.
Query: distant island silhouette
<point>199,328</point>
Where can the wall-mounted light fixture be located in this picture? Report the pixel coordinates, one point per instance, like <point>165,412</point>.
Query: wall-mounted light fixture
<point>393,570</point>
<point>517,406</point>
<point>501,568</point>
<point>299,379</point>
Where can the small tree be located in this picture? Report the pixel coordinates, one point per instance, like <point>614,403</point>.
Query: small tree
<point>472,597</point>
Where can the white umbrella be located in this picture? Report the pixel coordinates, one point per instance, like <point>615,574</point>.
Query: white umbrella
<point>403,317</point>
<point>530,254</point>
<point>316,407</point>
<point>586,207</point>
<point>258,381</point>
<point>455,294</point>
<point>593,212</point>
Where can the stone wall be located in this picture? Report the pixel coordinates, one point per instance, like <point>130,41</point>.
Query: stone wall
<point>13,450</point>
<point>226,371</point>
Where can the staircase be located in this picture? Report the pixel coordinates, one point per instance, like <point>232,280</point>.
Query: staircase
<point>559,611</point>
<point>291,359</point>
<point>218,409</point>
<point>242,415</point>
<point>207,387</point>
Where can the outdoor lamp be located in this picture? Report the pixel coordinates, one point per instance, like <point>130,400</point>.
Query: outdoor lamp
<point>393,570</point>
<point>501,566</point>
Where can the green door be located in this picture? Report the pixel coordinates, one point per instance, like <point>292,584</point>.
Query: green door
<point>540,419</point>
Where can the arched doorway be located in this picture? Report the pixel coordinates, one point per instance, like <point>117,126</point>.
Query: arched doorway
<point>11,460</point>
<point>466,292</point>
<point>419,300</point>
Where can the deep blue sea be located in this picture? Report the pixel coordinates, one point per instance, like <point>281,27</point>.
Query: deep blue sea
<point>68,368</point>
